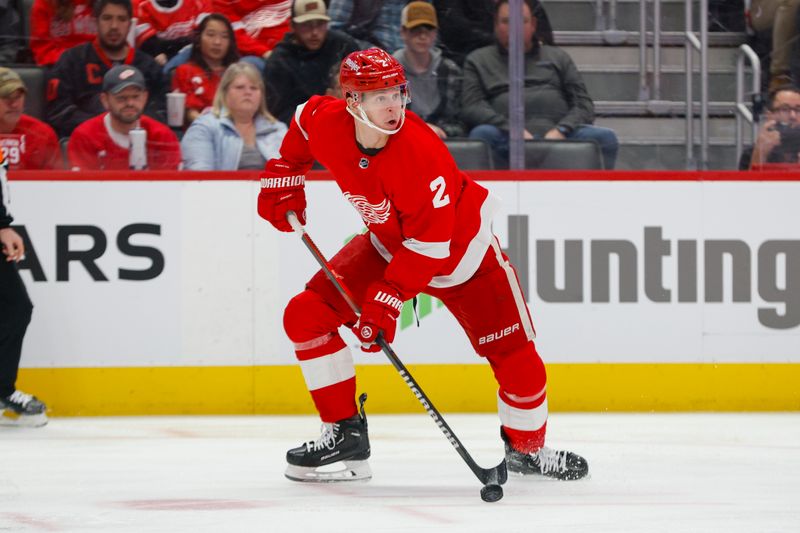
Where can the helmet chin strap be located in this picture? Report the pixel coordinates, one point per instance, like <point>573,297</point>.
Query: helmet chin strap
<point>362,117</point>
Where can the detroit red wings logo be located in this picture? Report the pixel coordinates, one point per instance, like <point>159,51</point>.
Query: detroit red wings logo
<point>371,213</point>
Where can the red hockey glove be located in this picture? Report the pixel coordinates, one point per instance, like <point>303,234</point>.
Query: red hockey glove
<point>281,191</point>
<point>382,306</point>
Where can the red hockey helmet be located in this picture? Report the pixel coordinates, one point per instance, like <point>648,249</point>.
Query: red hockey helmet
<point>370,70</point>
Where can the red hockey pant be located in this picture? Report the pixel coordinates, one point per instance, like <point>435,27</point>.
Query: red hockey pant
<point>489,307</point>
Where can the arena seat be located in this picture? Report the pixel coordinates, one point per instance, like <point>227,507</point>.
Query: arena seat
<point>35,82</point>
<point>470,154</point>
<point>564,154</point>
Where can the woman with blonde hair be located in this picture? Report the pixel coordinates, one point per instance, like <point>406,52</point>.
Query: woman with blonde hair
<point>239,133</point>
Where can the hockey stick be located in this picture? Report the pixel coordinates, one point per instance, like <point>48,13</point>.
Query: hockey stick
<point>491,478</point>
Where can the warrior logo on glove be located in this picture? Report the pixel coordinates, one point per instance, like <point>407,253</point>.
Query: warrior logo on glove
<point>379,315</point>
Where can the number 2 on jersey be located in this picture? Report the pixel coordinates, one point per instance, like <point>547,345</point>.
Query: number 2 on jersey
<point>440,199</point>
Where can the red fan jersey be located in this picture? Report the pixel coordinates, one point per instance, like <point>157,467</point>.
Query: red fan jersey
<point>198,84</point>
<point>93,146</point>
<point>169,23</point>
<point>258,24</point>
<point>31,145</point>
<point>425,216</point>
<point>50,36</point>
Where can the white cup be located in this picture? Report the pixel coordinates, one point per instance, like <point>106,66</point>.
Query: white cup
<point>137,159</point>
<point>176,109</point>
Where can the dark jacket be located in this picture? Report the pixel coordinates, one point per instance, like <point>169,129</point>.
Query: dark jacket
<point>555,94</point>
<point>76,80</point>
<point>293,74</point>
<point>446,76</point>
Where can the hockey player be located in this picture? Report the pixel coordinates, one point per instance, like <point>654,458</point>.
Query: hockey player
<point>15,314</point>
<point>429,230</point>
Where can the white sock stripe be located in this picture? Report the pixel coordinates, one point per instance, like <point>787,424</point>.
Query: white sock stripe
<point>329,369</point>
<point>526,399</point>
<point>313,343</point>
<point>522,419</point>
<point>519,299</point>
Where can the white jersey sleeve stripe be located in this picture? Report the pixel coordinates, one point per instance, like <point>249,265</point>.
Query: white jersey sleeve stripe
<point>522,419</point>
<point>297,113</point>
<point>475,250</point>
<point>473,256</point>
<point>434,250</point>
<point>329,369</point>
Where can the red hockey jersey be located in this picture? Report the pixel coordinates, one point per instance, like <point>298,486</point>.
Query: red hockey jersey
<point>426,217</point>
<point>31,145</point>
<point>198,84</point>
<point>50,37</point>
<point>258,24</point>
<point>169,23</point>
<point>91,146</point>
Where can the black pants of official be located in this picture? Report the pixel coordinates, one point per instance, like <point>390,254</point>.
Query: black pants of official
<point>15,314</point>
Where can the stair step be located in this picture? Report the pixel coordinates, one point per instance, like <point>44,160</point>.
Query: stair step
<point>625,85</point>
<point>668,38</point>
<point>669,130</point>
<point>580,15</point>
<point>672,157</point>
<point>662,108</point>
<point>587,57</point>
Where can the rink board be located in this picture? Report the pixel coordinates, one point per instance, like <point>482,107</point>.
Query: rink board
<point>648,290</point>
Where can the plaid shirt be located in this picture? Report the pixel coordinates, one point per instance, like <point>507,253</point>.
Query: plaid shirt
<point>386,27</point>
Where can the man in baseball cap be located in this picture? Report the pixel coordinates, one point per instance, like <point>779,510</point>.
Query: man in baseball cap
<point>10,82</point>
<point>27,142</point>
<point>103,142</point>
<point>300,64</point>
<point>308,10</point>
<point>435,80</point>
<point>121,77</point>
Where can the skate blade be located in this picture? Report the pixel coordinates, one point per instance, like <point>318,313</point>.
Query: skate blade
<point>10,419</point>
<point>334,473</point>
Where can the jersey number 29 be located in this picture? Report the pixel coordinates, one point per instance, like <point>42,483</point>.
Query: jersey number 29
<point>440,199</point>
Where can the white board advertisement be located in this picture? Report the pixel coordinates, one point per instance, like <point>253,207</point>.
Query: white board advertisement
<point>184,273</point>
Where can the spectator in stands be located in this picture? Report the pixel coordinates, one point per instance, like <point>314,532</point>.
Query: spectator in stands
<point>557,105</point>
<point>57,25</point>
<point>299,65</point>
<point>259,24</point>
<point>373,23</point>
<point>466,25</point>
<point>239,133</point>
<point>11,33</point>
<point>334,87</point>
<point>103,142</point>
<point>213,50</point>
<point>164,27</point>
<point>28,143</point>
<point>435,81</point>
<point>74,85</point>
<point>778,139</point>
<point>781,16</point>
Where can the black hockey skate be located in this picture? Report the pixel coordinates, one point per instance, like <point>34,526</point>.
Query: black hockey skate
<point>20,409</point>
<point>339,454</point>
<point>558,464</point>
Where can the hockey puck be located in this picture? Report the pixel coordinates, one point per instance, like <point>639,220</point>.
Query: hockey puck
<point>491,493</point>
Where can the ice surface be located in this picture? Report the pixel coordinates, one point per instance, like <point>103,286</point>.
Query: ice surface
<point>649,473</point>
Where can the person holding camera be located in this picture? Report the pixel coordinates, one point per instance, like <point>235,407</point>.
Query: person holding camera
<point>779,137</point>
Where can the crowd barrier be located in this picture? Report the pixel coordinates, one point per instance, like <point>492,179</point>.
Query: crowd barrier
<point>163,292</point>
